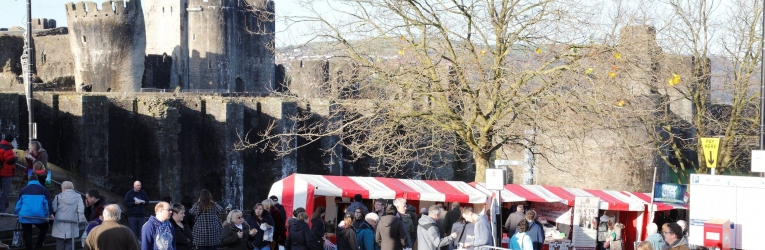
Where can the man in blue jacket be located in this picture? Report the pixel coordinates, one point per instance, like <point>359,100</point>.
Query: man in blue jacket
<point>535,232</point>
<point>135,201</point>
<point>158,232</point>
<point>33,208</point>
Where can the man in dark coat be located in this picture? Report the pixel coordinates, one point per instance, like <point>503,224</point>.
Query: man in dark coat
<point>512,221</point>
<point>535,232</point>
<point>93,200</point>
<point>390,234</point>
<point>110,235</point>
<point>452,216</point>
<point>7,170</point>
<point>135,201</point>
<point>279,206</point>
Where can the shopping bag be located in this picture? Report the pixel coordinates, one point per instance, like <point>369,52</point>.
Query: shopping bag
<point>18,237</point>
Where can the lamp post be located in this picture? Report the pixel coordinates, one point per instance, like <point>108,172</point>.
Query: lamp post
<point>762,84</point>
<point>26,60</point>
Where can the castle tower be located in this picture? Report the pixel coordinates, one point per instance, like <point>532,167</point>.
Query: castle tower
<point>166,36</point>
<point>107,44</point>
<point>231,45</point>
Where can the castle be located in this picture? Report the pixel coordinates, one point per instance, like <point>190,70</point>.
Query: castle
<point>130,46</point>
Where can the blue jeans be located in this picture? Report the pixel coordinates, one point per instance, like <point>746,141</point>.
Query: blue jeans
<point>5,182</point>
<point>267,247</point>
<point>135,224</point>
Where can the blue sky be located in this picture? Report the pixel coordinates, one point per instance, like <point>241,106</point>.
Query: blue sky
<point>13,13</point>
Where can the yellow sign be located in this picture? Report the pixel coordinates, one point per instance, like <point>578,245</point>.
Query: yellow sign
<point>710,147</point>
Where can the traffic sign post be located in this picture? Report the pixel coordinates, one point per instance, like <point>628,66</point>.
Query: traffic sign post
<point>711,146</point>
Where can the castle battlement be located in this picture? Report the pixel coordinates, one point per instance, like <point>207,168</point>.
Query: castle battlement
<point>108,9</point>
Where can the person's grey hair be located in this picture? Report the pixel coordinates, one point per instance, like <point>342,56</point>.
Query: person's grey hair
<point>36,144</point>
<point>112,212</point>
<point>399,202</point>
<point>232,216</point>
<point>652,228</point>
<point>67,185</point>
<point>434,209</point>
<point>372,216</point>
<point>682,224</point>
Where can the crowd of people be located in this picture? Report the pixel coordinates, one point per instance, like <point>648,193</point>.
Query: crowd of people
<point>393,226</point>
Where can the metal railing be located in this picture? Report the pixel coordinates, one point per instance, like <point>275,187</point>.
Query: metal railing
<point>74,223</point>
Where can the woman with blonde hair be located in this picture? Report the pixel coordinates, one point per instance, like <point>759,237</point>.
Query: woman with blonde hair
<point>300,234</point>
<point>346,234</point>
<point>207,227</point>
<point>236,233</point>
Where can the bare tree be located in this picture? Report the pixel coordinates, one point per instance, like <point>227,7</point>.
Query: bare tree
<point>441,80</point>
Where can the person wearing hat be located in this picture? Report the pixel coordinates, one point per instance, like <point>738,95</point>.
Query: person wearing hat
<point>278,206</point>
<point>8,170</point>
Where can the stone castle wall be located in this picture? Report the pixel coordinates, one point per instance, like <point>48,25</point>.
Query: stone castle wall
<point>107,44</point>
<point>224,55</point>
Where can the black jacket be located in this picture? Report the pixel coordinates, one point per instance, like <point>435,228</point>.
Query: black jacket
<point>89,211</point>
<point>317,228</point>
<point>230,240</point>
<point>299,236</point>
<point>451,217</point>
<point>346,238</point>
<point>183,238</point>
<point>254,222</point>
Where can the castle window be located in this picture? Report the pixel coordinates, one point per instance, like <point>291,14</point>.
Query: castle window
<point>239,40</point>
<point>194,37</point>
<point>84,40</point>
<point>209,64</point>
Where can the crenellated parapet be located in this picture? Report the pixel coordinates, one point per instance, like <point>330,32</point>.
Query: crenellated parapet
<point>108,9</point>
<point>108,44</point>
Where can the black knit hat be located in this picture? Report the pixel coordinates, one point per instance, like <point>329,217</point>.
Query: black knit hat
<point>8,137</point>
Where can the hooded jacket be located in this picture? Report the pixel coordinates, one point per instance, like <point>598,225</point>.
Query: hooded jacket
<point>428,236</point>
<point>679,245</point>
<point>656,240</point>
<point>365,237</point>
<point>299,236</point>
<point>389,234</point>
<point>33,202</point>
<point>8,158</point>
<point>346,238</point>
<point>156,235</point>
<point>68,207</point>
<point>482,231</point>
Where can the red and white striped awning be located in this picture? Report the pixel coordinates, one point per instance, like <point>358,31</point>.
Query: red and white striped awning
<point>299,190</point>
<point>657,206</point>
<point>609,200</point>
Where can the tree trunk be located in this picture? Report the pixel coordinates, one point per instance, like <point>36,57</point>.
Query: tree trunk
<point>481,164</point>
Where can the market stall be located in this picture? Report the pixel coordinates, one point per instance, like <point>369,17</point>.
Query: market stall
<point>311,191</point>
<point>556,206</point>
<point>660,210</point>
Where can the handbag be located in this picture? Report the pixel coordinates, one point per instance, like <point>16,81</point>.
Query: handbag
<point>18,236</point>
